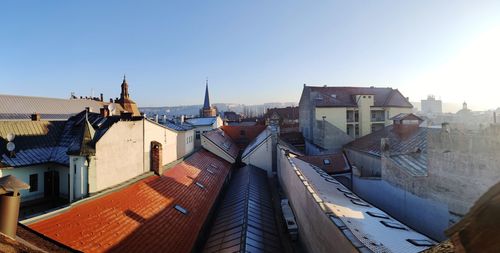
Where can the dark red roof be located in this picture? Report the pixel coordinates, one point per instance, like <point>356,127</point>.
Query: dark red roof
<point>290,112</point>
<point>243,135</point>
<point>338,163</point>
<point>222,140</point>
<point>345,96</point>
<point>142,217</point>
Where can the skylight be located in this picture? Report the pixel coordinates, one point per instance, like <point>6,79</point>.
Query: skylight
<point>393,225</point>
<point>200,185</point>
<point>326,162</point>
<point>343,190</point>
<point>213,166</point>
<point>181,209</point>
<point>351,196</point>
<point>210,171</point>
<point>378,215</point>
<point>359,202</point>
<point>421,242</point>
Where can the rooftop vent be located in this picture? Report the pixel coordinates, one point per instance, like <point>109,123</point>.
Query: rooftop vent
<point>378,215</point>
<point>181,209</point>
<point>393,225</point>
<point>200,185</point>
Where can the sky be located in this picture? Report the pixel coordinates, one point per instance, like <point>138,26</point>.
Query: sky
<point>251,51</point>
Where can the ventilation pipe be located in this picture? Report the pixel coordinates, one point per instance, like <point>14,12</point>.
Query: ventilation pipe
<point>10,201</point>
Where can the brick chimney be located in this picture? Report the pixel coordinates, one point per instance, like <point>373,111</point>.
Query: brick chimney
<point>105,111</point>
<point>35,117</point>
<point>101,97</point>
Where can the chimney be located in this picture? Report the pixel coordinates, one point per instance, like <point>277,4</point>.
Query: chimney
<point>102,97</point>
<point>384,145</point>
<point>156,118</point>
<point>35,117</point>
<point>10,201</point>
<point>182,119</point>
<point>126,116</point>
<point>164,117</point>
<point>88,109</point>
<point>105,111</point>
<point>111,100</point>
<point>445,127</point>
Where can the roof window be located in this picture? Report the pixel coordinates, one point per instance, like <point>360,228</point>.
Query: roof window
<point>378,215</point>
<point>343,190</point>
<point>210,171</point>
<point>181,209</point>
<point>421,242</point>
<point>327,162</point>
<point>213,166</point>
<point>338,222</point>
<point>333,181</point>
<point>351,196</point>
<point>200,185</point>
<point>393,225</point>
<point>359,202</point>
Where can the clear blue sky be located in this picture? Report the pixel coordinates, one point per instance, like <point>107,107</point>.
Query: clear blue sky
<point>251,51</point>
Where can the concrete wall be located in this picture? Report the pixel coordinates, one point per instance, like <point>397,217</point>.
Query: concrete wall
<point>426,216</point>
<point>262,157</point>
<point>166,137</point>
<point>368,165</point>
<point>23,174</point>
<point>365,102</point>
<point>334,115</point>
<point>78,178</point>
<point>185,143</point>
<point>306,115</point>
<point>316,231</point>
<point>119,155</point>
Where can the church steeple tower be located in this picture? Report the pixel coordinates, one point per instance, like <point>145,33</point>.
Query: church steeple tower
<point>207,110</point>
<point>206,103</point>
<point>124,94</point>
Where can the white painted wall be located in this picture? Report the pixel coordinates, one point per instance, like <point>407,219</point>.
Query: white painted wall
<point>185,143</point>
<point>208,145</point>
<point>23,174</point>
<point>261,157</point>
<point>119,155</point>
<point>78,177</point>
<point>163,135</point>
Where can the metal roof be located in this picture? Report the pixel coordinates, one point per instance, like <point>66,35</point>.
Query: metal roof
<point>177,127</point>
<point>202,121</point>
<point>22,107</point>
<point>245,221</point>
<point>362,223</point>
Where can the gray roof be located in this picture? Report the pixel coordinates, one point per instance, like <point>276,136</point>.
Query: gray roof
<point>261,138</point>
<point>202,121</point>
<point>22,107</point>
<point>245,221</point>
<point>177,127</point>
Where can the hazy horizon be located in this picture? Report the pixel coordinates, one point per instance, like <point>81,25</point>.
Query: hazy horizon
<point>254,52</point>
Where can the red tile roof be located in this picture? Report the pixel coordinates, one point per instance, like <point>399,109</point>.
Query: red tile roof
<point>142,217</point>
<point>345,96</point>
<point>222,140</point>
<point>242,140</point>
<point>338,163</point>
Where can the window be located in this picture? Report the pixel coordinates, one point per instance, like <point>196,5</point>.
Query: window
<point>33,182</point>
<point>326,161</point>
<point>197,135</point>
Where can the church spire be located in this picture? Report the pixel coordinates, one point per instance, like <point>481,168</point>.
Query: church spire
<point>206,103</point>
<point>124,93</point>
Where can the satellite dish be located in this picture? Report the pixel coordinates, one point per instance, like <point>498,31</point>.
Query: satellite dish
<point>11,146</point>
<point>112,107</point>
<point>11,136</point>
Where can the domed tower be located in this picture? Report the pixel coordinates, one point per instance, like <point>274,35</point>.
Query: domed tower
<point>127,104</point>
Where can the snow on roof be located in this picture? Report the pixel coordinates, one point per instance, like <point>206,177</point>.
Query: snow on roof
<point>256,142</point>
<point>361,218</point>
<point>201,121</point>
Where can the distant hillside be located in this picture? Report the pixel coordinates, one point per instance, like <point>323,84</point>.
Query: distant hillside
<point>250,110</point>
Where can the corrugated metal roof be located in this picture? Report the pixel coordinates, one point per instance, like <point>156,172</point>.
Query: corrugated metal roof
<point>21,107</point>
<point>245,221</point>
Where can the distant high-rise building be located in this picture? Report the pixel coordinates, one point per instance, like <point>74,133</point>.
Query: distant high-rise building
<point>431,105</point>
<point>207,110</point>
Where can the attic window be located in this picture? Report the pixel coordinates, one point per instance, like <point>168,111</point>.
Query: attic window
<point>326,162</point>
<point>210,171</point>
<point>359,202</point>
<point>200,185</point>
<point>378,215</point>
<point>421,242</point>
<point>393,225</point>
<point>351,196</point>
<point>181,209</point>
<point>343,190</point>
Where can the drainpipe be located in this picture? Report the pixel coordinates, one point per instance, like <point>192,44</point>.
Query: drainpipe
<point>10,200</point>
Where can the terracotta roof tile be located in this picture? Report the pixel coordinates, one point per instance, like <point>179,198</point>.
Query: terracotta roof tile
<point>338,163</point>
<point>243,135</point>
<point>142,217</point>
